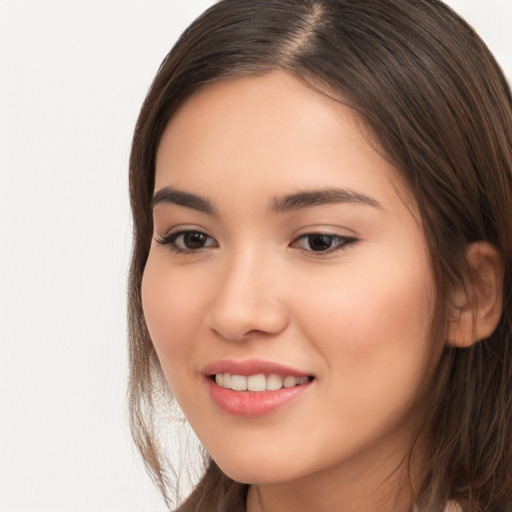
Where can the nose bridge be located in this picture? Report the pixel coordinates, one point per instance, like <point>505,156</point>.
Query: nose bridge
<point>248,295</point>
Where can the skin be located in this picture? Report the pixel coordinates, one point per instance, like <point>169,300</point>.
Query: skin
<point>355,317</point>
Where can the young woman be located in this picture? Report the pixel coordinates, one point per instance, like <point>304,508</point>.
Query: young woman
<point>321,193</point>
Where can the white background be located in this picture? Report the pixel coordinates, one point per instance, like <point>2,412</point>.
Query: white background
<point>72,77</point>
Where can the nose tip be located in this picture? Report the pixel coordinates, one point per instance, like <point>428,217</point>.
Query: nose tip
<point>235,323</point>
<point>246,306</point>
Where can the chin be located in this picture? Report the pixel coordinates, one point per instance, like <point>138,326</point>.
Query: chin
<point>252,477</point>
<point>256,472</point>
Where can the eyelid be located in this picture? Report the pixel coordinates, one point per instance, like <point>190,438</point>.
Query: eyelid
<point>177,229</point>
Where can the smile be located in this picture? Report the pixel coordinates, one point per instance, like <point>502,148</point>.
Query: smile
<point>259,382</point>
<point>254,388</point>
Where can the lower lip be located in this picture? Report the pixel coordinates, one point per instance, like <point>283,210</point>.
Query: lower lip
<point>251,404</point>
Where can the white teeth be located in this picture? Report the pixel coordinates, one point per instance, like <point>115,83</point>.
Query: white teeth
<point>289,381</point>
<point>238,383</point>
<point>274,382</point>
<point>258,382</point>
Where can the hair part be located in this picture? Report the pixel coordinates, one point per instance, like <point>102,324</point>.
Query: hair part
<point>439,107</point>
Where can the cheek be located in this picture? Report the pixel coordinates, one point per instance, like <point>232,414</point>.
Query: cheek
<point>375,313</point>
<point>372,329</point>
<point>172,308</point>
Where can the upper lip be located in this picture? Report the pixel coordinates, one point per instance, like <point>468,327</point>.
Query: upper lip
<point>248,367</point>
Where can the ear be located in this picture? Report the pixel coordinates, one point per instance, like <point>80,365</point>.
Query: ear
<point>478,308</point>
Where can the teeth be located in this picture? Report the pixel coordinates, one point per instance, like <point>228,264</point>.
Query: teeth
<point>289,382</point>
<point>238,383</point>
<point>258,382</point>
<point>274,382</point>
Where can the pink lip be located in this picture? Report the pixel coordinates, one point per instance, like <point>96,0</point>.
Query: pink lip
<point>249,404</point>
<point>250,367</point>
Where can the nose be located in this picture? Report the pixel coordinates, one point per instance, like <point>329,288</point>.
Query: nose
<point>248,300</point>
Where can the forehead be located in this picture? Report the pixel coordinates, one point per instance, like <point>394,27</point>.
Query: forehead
<point>271,130</point>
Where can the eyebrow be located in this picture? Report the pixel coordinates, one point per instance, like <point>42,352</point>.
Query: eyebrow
<point>281,204</point>
<point>313,198</point>
<point>186,199</point>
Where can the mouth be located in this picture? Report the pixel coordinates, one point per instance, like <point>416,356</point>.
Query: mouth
<point>259,382</point>
<point>255,388</point>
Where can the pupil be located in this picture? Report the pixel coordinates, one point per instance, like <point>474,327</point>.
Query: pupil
<point>320,242</point>
<point>194,240</point>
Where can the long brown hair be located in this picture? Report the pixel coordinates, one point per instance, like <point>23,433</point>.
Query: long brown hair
<point>433,96</point>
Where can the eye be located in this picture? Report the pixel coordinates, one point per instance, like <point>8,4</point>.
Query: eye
<point>322,242</point>
<point>187,241</point>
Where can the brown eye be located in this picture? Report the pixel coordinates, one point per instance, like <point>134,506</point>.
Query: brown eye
<point>194,240</point>
<point>322,242</point>
<point>188,241</point>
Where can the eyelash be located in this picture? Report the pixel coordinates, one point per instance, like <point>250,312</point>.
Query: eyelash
<point>340,242</point>
<point>171,240</point>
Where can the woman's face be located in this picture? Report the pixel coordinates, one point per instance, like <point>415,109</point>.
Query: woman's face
<point>287,257</point>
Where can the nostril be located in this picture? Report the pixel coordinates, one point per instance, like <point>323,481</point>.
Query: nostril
<point>237,323</point>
